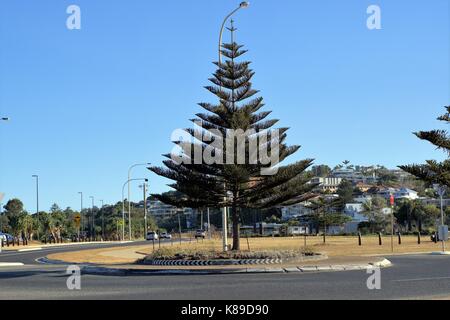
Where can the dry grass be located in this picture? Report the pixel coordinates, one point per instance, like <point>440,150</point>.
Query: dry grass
<point>336,246</point>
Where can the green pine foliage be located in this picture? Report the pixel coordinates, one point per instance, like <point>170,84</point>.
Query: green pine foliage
<point>237,185</point>
<point>434,172</point>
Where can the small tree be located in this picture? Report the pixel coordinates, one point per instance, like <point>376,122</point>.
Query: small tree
<point>373,210</point>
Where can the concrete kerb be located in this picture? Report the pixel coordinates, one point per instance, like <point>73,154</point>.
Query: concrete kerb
<point>103,270</point>
<point>11,264</point>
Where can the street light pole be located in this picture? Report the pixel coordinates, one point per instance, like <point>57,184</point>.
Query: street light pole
<point>123,207</point>
<point>209,225</point>
<point>81,210</point>
<point>129,191</point>
<point>92,216</point>
<point>441,191</point>
<point>103,221</point>
<point>144,186</point>
<point>242,5</point>
<point>37,201</point>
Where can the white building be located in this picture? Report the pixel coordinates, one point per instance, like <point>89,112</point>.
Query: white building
<point>160,209</point>
<point>401,193</point>
<point>294,211</point>
<point>327,184</point>
<point>354,211</point>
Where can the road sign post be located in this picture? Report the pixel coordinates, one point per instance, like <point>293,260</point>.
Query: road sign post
<point>392,202</point>
<point>77,220</point>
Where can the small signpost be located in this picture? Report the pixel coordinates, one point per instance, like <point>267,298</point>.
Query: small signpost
<point>392,202</point>
<point>77,220</point>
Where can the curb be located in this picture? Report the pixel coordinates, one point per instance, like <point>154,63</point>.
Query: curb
<point>27,250</point>
<point>108,271</point>
<point>440,253</point>
<point>11,264</point>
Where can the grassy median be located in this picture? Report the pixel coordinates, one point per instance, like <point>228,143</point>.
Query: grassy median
<point>335,246</point>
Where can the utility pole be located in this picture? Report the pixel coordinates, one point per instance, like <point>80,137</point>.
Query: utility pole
<point>392,202</point>
<point>209,225</point>
<point>442,228</point>
<point>242,5</point>
<point>144,187</point>
<point>103,220</point>
<point>92,217</point>
<point>37,201</point>
<point>81,211</point>
<point>179,225</point>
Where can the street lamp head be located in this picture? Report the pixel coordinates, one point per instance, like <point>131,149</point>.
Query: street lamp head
<point>244,4</point>
<point>34,176</point>
<point>5,119</point>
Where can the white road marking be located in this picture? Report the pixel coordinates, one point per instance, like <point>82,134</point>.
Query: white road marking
<point>421,279</point>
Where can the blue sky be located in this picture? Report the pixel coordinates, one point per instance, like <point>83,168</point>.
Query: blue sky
<point>86,104</point>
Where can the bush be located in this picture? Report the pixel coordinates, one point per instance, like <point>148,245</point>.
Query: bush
<point>195,254</point>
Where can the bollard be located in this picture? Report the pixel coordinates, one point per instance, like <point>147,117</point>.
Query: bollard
<point>435,237</point>
<point>399,238</point>
<point>359,239</point>
<point>153,244</point>
<point>380,240</point>
<point>418,238</point>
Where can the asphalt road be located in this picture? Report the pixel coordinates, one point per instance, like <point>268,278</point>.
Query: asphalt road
<point>29,257</point>
<point>411,277</point>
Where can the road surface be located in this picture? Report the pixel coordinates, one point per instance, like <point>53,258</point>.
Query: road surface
<point>411,277</point>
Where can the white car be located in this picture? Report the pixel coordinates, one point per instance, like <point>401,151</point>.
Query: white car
<point>165,235</point>
<point>152,235</point>
<point>5,236</point>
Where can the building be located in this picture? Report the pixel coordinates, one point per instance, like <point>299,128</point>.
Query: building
<point>398,193</point>
<point>160,209</point>
<point>327,184</point>
<point>354,211</point>
<point>297,230</point>
<point>354,176</point>
<point>295,211</point>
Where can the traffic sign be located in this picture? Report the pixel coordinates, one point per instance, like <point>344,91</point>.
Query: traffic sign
<point>443,233</point>
<point>77,219</point>
<point>392,200</point>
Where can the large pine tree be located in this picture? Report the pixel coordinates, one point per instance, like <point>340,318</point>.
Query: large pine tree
<point>432,171</point>
<point>238,184</point>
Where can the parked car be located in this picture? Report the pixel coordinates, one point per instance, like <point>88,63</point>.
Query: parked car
<point>200,234</point>
<point>165,235</point>
<point>152,235</point>
<point>5,236</point>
